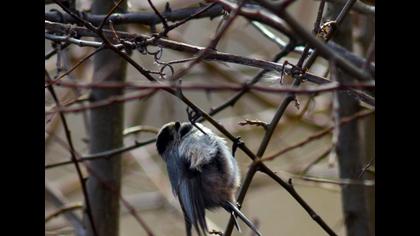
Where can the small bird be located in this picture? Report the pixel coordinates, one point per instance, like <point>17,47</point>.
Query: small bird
<point>202,171</point>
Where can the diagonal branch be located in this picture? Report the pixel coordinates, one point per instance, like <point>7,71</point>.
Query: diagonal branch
<point>317,135</point>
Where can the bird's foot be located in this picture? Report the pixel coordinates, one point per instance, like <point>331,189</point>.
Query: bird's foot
<point>193,117</point>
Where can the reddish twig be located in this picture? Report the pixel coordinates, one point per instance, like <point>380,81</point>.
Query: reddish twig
<point>102,103</point>
<point>75,66</point>
<point>212,44</point>
<point>106,154</point>
<point>318,135</point>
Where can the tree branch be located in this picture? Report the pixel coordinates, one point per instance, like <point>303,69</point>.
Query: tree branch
<point>146,18</point>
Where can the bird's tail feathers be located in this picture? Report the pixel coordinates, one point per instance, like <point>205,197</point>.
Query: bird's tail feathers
<point>192,204</point>
<point>232,208</point>
<point>235,221</point>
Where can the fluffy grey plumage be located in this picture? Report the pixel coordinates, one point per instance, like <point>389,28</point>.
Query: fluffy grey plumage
<point>202,171</point>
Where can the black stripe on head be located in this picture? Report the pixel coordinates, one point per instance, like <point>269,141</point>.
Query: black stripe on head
<point>165,136</point>
<point>177,125</point>
<point>185,128</point>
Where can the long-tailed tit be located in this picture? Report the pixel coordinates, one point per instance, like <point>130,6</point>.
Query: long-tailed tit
<point>202,171</point>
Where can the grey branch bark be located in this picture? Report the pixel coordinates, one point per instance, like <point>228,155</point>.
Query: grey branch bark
<point>106,133</point>
<point>349,146</point>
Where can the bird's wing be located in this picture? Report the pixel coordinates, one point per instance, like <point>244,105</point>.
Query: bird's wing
<point>190,197</point>
<point>186,184</point>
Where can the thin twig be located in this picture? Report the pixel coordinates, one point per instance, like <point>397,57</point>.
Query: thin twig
<point>320,46</point>
<point>212,45</point>
<point>111,188</point>
<point>63,210</point>
<point>75,66</point>
<point>231,101</point>
<point>73,157</point>
<point>162,19</point>
<point>105,154</point>
<point>104,21</point>
<point>102,103</point>
<point>317,135</point>
<point>108,43</point>
<point>316,160</point>
<point>58,200</point>
<point>198,13</point>
<point>342,182</point>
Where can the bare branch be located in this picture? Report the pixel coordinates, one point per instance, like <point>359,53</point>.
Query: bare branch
<point>317,135</point>
<point>105,154</point>
<point>212,55</point>
<point>146,18</point>
<point>63,210</point>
